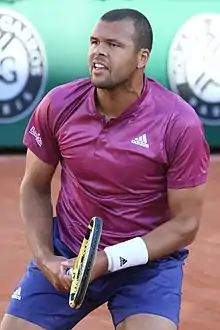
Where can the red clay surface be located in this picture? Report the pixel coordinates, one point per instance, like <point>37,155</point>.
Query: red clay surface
<point>201,291</point>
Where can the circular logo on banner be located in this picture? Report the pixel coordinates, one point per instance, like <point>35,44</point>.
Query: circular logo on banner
<point>194,66</point>
<point>22,67</point>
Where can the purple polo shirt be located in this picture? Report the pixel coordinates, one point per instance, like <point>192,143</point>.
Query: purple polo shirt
<point>120,170</point>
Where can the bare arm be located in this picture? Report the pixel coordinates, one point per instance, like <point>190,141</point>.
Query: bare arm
<point>36,206</point>
<point>188,154</point>
<point>180,231</point>
<point>188,162</point>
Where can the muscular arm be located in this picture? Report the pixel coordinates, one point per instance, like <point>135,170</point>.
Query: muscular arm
<point>188,162</point>
<point>36,207</point>
<point>188,154</point>
<point>180,231</point>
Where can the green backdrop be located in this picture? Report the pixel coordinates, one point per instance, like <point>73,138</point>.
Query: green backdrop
<point>64,27</point>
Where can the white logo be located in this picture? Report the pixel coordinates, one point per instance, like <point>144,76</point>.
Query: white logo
<point>194,65</point>
<point>37,136</point>
<point>141,141</point>
<point>22,67</point>
<point>17,294</point>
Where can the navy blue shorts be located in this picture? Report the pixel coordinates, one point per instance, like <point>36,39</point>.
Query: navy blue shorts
<point>154,288</point>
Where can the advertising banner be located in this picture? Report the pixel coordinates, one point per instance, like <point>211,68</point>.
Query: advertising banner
<point>44,43</point>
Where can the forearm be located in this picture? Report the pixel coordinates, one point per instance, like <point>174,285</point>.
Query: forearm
<point>37,215</point>
<point>170,237</point>
<point>162,241</point>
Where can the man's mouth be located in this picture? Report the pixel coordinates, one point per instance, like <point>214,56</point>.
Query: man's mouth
<point>99,67</point>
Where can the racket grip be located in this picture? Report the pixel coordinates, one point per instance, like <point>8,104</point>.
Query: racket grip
<point>69,272</point>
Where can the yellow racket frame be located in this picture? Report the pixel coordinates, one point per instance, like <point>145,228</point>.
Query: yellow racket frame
<point>76,270</point>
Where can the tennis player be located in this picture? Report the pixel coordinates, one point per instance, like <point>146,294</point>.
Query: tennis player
<point>132,153</point>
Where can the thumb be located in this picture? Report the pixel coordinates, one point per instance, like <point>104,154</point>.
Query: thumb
<point>66,267</point>
<point>68,263</point>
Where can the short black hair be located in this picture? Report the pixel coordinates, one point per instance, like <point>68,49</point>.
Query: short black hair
<point>143,31</point>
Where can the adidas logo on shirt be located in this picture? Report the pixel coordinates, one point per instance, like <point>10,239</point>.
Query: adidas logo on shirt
<point>123,261</point>
<point>141,141</point>
<point>17,294</point>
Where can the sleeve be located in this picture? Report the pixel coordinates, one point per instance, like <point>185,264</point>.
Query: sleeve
<point>189,156</point>
<point>39,136</point>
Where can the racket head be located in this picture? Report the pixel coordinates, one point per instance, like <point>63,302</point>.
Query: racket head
<point>81,273</point>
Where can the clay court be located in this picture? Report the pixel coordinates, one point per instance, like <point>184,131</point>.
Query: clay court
<point>201,291</point>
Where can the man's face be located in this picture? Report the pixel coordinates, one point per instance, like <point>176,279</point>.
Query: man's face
<point>113,57</point>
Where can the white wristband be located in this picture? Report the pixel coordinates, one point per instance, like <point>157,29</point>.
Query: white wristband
<point>127,254</point>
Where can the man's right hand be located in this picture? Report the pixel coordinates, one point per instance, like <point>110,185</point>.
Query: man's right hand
<point>52,268</point>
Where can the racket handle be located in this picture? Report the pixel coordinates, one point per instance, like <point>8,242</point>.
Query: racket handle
<point>69,272</point>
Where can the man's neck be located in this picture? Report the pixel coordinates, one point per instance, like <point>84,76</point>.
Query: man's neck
<point>112,103</point>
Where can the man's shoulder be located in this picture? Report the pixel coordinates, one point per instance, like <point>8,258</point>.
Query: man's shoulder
<point>161,94</point>
<point>71,90</point>
<point>172,106</point>
<point>63,100</point>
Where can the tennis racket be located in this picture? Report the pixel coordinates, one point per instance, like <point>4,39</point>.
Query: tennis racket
<point>81,272</point>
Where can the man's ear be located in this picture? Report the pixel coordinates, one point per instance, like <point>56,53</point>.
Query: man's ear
<point>143,57</point>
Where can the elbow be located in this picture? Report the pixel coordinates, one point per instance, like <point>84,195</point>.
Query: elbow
<point>30,187</point>
<point>22,186</point>
<point>25,189</point>
<point>22,189</point>
<point>189,229</point>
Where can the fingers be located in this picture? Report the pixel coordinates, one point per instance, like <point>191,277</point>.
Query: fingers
<point>66,269</point>
<point>68,263</point>
<point>64,276</point>
<point>56,273</point>
<point>60,287</point>
<point>61,283</point>
<point>65,280</point>
<point>57,282</point>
